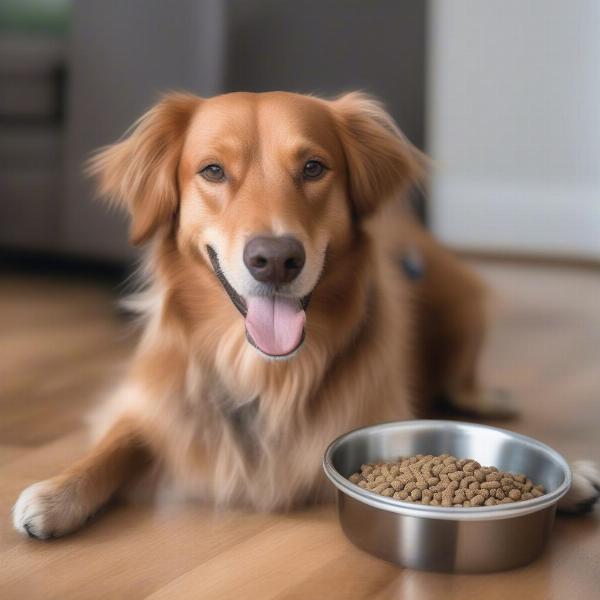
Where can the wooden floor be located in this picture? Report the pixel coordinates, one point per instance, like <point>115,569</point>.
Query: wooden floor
<point>62,345</point>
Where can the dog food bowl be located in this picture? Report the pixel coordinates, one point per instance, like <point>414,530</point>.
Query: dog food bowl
<point>448,539</point>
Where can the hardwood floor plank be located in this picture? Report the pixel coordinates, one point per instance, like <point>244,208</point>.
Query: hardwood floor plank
<point>128,552</point>
<point>264,565</point>
<point>62,346</point>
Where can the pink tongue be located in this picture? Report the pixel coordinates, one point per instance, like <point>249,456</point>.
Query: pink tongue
<point>275,323</point>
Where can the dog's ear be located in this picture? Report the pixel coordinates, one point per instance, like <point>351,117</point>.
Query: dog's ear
<point>380,160</point>
<point>140,172</point>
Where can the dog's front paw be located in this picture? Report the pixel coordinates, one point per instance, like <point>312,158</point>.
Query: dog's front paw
<point>585,489</point>
<point>48,509</point>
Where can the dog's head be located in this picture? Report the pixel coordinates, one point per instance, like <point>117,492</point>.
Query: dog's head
<point>261,187</point>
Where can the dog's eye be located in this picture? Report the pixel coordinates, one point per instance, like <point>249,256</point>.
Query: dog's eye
<point>214,173</point>
<point>313,169</point>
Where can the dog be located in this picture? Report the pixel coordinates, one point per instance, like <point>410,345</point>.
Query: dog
<point>289,298</point>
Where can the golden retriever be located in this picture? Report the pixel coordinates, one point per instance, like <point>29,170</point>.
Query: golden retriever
<point>276,313</point>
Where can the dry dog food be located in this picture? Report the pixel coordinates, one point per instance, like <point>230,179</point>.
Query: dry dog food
<point>445,480</point>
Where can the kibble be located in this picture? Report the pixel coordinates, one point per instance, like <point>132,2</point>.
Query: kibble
<point>445,480</point>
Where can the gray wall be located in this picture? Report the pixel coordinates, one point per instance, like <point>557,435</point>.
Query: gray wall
<point>330,46</point>
<point>124,54</point>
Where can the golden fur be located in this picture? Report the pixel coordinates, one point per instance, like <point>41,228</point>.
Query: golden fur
<point>200,406</point>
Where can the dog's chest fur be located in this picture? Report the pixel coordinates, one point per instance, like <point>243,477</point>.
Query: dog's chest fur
<point>243,421</point>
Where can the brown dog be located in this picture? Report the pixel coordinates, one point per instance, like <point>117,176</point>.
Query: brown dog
<point>276,313</point>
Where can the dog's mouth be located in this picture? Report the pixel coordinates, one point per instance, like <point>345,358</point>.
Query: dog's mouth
<point>274,323</point>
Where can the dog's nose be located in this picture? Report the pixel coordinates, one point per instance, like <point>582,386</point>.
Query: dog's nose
<point>274,260</point>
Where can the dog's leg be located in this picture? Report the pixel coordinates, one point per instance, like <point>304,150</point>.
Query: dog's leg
<point>469,398</point>
<point>59,505</point>
<point>451,320</point>
<point>585,489</point>
<point>460,339</point>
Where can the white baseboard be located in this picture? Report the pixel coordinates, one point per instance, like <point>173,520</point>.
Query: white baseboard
<point>517,216</point>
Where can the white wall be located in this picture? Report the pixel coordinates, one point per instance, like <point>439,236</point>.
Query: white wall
<point>514,124</point>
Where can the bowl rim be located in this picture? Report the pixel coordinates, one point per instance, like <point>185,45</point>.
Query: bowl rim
<point>470,513</point>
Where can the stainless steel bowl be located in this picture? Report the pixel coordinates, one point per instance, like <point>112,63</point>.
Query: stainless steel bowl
<point>448,539</point>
